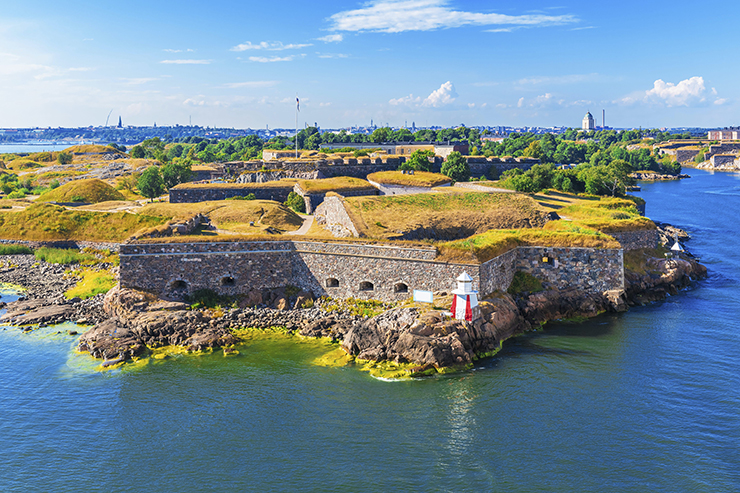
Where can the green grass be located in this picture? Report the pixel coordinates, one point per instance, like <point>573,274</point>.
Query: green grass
<point>62,255</point>
<point>91,283</point>
<point>44,222</point>
<point>473,212</point>
<point>15,250</point>
<point>418,179</point>
<point>336,184</point>
<point>90,191</point>
<point>483,247</point>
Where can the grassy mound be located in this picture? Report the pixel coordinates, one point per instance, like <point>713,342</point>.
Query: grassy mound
<point>483,247</point>
<point>418,179</point>
<point>22,164</point>
<point>336,184</point>
<point>92,149</point>
<point>442,216</point>
<point>608,215</point>
<point>90,191</point>
<point>284,183</point>
<point>232,215</point>
<point>43,222</point>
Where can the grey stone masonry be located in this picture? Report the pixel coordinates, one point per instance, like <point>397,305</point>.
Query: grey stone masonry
<point>332,215</point>
<point>588,269</point>
<point>191,194</point>
<point>633,240</point>
<point>343,270</point>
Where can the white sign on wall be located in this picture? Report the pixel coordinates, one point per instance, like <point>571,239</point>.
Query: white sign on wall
<point>423,296</point>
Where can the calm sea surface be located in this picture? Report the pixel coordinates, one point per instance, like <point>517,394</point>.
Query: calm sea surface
<point>35,147</point>
<point>643,401</point>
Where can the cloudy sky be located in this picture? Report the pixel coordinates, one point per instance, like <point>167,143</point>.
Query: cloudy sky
<point>432,62</point>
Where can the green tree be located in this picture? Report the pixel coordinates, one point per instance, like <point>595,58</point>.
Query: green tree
<point>175,173</point>
<point>456,167</point>
<point>381,135</point>
<point>296,202</point>
<point>418,161</point>
<point>150,183</point>
<point>138,152</point>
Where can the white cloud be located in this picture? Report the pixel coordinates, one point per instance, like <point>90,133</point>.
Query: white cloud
<point>681,94</point>
<point>444,95</point>
<point>410,100</point>
<point>331,38</point>
<point>80,69</point>
<point>252,83</point>
<point>720,101</point>
<point>169,50</point>
<point>394,16</point>
<point>264,59</point>
<point>136,81</point>
<point>269,46</point>
<point>186,62</point>
<point>332,55</point>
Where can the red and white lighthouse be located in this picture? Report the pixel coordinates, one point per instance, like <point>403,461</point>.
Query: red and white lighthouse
<point>464,299</point>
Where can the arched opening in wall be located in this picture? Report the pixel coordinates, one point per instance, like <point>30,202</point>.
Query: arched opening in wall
<point>179,285</point>
<point>227,281</point>
<point>366,286</point>
<point>332,283</point>
<point>400,288</point>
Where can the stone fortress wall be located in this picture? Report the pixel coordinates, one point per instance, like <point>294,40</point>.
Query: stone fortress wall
<point>342,270</point>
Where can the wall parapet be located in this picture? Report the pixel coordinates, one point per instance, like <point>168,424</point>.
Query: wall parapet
<point>342,270</point>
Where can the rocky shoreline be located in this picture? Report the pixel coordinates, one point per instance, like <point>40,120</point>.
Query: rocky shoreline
<point>127,323</point>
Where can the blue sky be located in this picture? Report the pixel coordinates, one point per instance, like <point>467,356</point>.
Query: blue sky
<point>432,62</point>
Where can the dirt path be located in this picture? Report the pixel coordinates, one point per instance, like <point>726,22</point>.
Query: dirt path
<point>307,222</point>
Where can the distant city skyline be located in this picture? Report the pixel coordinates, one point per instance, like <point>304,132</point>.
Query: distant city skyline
<point>433,62</point>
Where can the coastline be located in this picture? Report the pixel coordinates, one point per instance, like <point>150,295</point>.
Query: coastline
<point>417,340</point>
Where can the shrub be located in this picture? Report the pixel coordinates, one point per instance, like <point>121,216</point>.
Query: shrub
<point>524,283</point>
<point>61,255</point>
<point>249,196</point>
<point>17,194</point>
<point>64,158</point>
<point>207,298</point>
<point>15,250</point>
<point>296,202</point>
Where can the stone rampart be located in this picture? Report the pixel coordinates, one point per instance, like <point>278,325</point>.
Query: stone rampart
<point>332,215</point>
<point>191,194</point>
<point>344,270</point>
<point>633,240</point>
<point>587,269</point>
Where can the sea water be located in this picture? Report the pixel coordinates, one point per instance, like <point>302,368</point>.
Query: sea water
<point>642,401</point>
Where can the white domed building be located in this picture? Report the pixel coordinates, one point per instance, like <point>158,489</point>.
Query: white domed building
<point>588,122</point>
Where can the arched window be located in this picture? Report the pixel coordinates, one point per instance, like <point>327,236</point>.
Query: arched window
<point>400,288</point>
<point>366,286</point>
<point>332,283</point>
<point>227,281</point>
<point>179,285</point>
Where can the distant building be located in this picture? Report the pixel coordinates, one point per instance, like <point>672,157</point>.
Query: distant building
<point>588,122</point>
<point>725,134</point>
<point>442,149</point>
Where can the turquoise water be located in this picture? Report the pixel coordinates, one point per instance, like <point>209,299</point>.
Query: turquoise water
<point>643,401</point>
